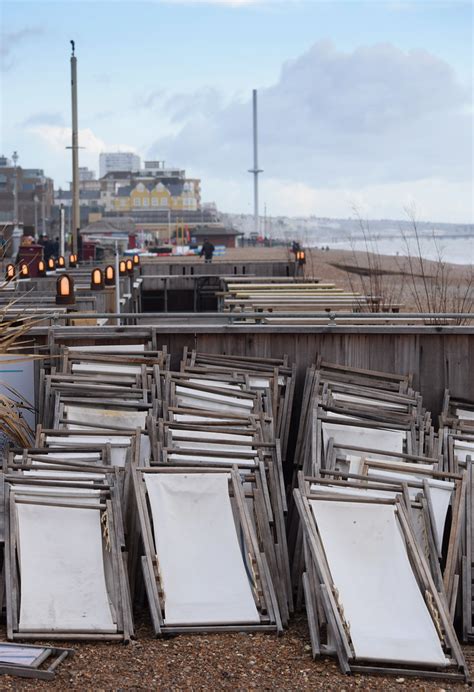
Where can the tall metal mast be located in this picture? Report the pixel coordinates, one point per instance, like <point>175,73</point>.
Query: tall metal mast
<point>255,170</point>
<point>15,189</point>
<point>76,219</point>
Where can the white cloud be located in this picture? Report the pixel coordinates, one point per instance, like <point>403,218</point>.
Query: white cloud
<point>435,199</point>
<point>59,138</point>
<point>374,119</point>
<point>54,142</point>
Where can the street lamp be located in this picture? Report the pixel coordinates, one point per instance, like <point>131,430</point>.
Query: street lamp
<point>17,232</point>
<point>65,290</point>
<point>36,200</point>
<point>15,188</point>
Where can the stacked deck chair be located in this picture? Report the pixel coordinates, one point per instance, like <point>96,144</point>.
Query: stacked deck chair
<point>457,444</point>
<point>104,391</point>
<point>457,413</point>
<point>367,467</point>
<point>105,396</point>
<point>274,374</point>
<point>212,507</point>
<point>369,593</point>
<point>273,297</point>
<point>356,407</point>
<point>65,559</point>
<point>96,406</point>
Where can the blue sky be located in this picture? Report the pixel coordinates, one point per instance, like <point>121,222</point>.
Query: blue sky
<point>361,103</point>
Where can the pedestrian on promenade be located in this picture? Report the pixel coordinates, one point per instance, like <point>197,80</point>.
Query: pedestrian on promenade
<point>207,250</point>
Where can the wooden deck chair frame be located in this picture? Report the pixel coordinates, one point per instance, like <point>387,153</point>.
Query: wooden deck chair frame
<point>264,593</point>
<point>28,456</point>
<point>400,383</point>
<point>118,591</point>
<point>319,585</point>
<point>447,579</point>
<point>318,459</point>
<point>42,668</point>
<point>271,522</point>
<point>467,567</point>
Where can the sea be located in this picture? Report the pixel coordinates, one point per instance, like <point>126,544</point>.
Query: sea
<point>455,250</point>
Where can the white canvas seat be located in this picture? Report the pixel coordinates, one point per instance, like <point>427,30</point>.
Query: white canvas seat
<point>374,438</point>
<point>62,570</point>
<point>188,540</point>
<point>102,416</point>
<point>382,602</point>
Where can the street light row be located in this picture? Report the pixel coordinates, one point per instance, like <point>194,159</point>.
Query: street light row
<point>99,279</point>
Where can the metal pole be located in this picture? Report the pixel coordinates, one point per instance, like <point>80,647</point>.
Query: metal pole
<point>255,170</point>
<point>35,200</point>
<point>76,220</point>
<point>43,214</point>
<point>61,231</point>
<point>117,283</point>
<point>69,229</point>
<point>15,189</point>
<point>255,162</point>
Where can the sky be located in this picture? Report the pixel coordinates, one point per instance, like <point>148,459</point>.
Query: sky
<point>363,106</point>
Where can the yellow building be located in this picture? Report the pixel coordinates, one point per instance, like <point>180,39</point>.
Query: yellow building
<point>158,196</point>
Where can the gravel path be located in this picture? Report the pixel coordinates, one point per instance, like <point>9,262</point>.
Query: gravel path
<point>211,662</point>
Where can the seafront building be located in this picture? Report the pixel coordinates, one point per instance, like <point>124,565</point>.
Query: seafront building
<point>118,161</point>
<point>159,203</point>
<point>34,193</point>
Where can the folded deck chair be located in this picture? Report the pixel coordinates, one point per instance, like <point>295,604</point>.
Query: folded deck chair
<point>366,574</point>
<point>28,661</point>
<point>202,566</point>
<point>64,568</point>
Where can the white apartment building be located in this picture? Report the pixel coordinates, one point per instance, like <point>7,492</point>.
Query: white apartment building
<point>85,174</point>
<point>118,161</point>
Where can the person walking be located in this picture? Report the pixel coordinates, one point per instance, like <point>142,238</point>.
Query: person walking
<point>207,250</point>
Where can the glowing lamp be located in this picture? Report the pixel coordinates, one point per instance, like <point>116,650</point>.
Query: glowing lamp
<point>51,264</point>
<point>10,272</point>
<point>109,275</point>
<point>122,268</point>
<point>60,263</point>
<point>41,269</point>
<point>72,261</point>
<point>65,290</point>
<point>24,271</point>
<point>301,257</point>
<point>136,260</point>
<point>129,265</point>
<point>97,280</point>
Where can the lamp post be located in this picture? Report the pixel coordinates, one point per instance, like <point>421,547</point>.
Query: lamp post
<point>117,282</point>
<point>43,213</point>
<point>62,243</point>
<point>15,189</point>
<point>17,232</point>
<point>36,200</point>
<point>75,154</point>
